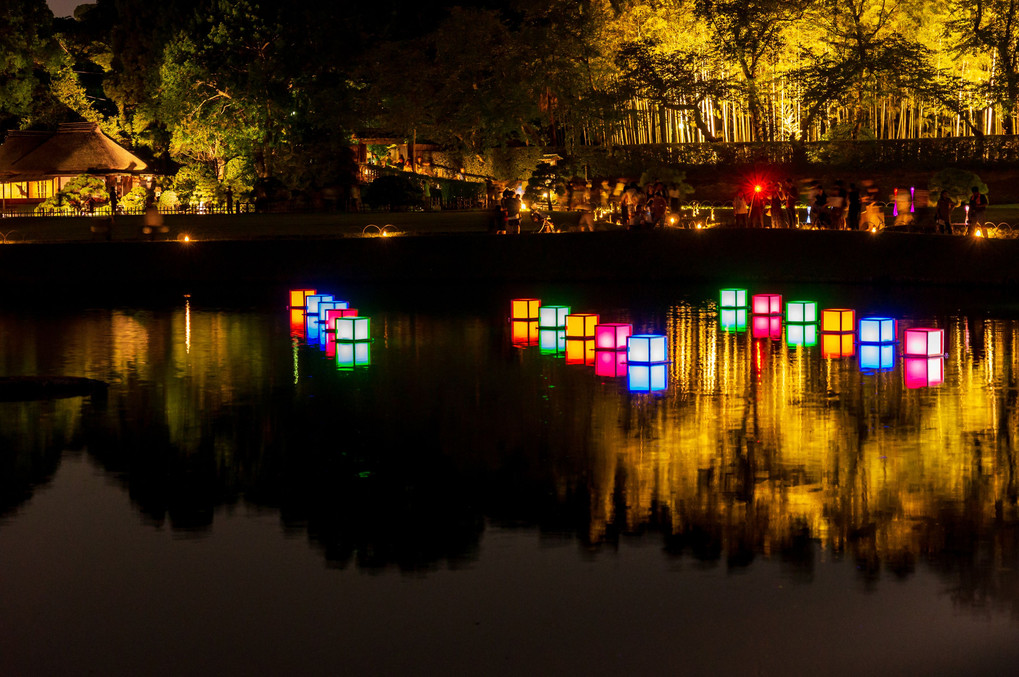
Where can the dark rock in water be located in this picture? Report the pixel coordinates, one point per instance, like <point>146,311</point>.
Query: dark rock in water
<point>18,388</point>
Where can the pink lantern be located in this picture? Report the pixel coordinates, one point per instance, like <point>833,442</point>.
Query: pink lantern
<point>335,314</point>
<point>924,342</point>
<point>610,363</point>
<point>923,372</point>
<point>612,336</point>
<point>766,326</point>
<point>766,304</point>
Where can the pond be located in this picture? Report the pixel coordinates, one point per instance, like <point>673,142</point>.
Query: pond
<point>466,495</point>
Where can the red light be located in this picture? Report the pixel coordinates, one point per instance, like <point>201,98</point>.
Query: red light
<point>757,188</point>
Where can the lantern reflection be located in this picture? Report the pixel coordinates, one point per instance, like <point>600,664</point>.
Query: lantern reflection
<point>524,332</point>
<point>647,377</point>
<point>297,323</point>
<point>766,326</point>
<point>552,341</point>
<point>877,356</point>
<point>799,334</point>
<point>580,351</point>
<point>838,345</point>
<point>610,363</point>
<point>923,372</point>
<point>733,319</point>
<point>353,354</point>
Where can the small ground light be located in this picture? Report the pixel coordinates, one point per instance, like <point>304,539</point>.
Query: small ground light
<point>978,233</point>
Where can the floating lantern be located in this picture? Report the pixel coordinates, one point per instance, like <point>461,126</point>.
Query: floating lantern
<point>297,297</point>
<point>924,342</point>
<point>325,307</point>
<point>333,314</point>
<point>552,341</point>
<point>733,319</point>
<point>350,355</point>
<point>838,320</point>
<point>923,372</point>
<point>767,304</point>
<point>733,298</point>
<point>553,317</point>
<point>877,330</point>
<point>524,309</point>
<point>838,345</point>
<point>766,326</point>
<point>612,336</point>
<point>581,325</point>
<point>524,333</point>
<point>801,311</point>
<point>353,329</point>
<point>800,334</point>
<point>646,348</point>
<point>877,356</point>
<point>610,363</point>
<point>580,351</point>
<point>647,377</point>
<point>311,302</point>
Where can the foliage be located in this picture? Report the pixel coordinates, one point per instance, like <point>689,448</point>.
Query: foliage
<point>195,184</point>
<point>393,190</point>
<point>168,200</point>
<point>958,182</point>
<point>81,195</point>
<point>136,199</point>
<point>545,185</point>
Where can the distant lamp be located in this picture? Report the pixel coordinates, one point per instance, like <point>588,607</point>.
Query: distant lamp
<point>524,333</point>
<point>353,329</point>
<point>524,309</point>
<point>767,304</point>
<point>766,326</point>
<point>646,348</point>
<point>646,378</point>
<point>801,311</point>
<point>733,298</point>
<point>733,319</point>
<point>924,342</point>
<point>297,297</point>
<point>581,325</point>
<point>800,334</point>
<point>610,363</point>
<point>553,317</point>
<point>838,320</point>
<point>877,356</point>
<point>838,345</point>
<point>923,372</point>
<point>612,336</point>
<point>877,330</point>
<point>580,351</point>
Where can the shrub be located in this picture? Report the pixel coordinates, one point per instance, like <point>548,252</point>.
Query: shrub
<point>958,182</point>
<point>393,191</point>
<point>81,195</point>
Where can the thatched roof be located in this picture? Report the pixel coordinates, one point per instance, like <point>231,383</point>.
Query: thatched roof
<point>75,148</point>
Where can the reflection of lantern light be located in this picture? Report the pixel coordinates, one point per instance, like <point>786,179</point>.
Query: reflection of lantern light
<point>350,355</point>
<point>552,341</point>
<point>297,323</point>
<point>353,329</point>
<point>612,336</point>
<point>524,309</point>
<point>924,342</point>
<point>733,319</point>
<point>921,372</point>
<point>801,311</point>
<point>297,297</point>
<point>646,348</point>
<point>838,320</point>
<point>766,326</point>
<point>580,351</point>
<point>610,363</point>
<point>581,325</point>
<point>733,298</point>
<point>329,344</point>
<point>524,333</point>
<point>647,377</point>
<point>799,334</point>
<point>838,345</point>
<point>877,330</point>
<point>767,304</point>
<point>877,356</point>
<point>553,317</point>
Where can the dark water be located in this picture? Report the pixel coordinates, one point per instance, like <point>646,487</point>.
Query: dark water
<point>238,504</point>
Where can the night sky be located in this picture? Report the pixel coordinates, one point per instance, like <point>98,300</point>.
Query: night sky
<point>63,7</point>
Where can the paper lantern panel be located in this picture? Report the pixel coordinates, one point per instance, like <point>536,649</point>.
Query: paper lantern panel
<point>838,320</point>
<point>553,317</point>
<point>923,372</point>
<point>801,311</point>
<point>924,342</point>
<point>581,325</point>
<point>610,363</point>
<point>312,300</point>
<point>612,336</point>
<point>767,304</point>
<point>297,297</point>
<point>877,330</point>
<point>646,348</point>
<point>524,309</point>
<point>647,377</point>
<point>733,298</point>
<point>353,329</point>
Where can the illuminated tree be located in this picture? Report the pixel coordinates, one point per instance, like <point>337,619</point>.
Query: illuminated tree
<point>992,26</point>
